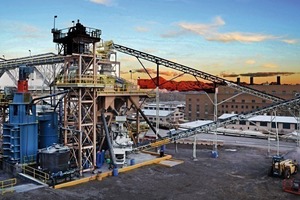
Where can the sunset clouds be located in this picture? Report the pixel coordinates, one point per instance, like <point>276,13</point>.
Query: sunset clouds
<point>211,32</point>
<point>257,74</point>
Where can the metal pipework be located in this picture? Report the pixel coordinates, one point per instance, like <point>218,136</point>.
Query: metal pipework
<point>111,150</point>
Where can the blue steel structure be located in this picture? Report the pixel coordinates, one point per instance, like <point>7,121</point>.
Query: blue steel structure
<point>20,133</point>
<point>48,129</point>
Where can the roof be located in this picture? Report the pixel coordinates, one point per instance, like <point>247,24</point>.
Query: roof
<point>226,115</point>
<point>278,119</point>
<point>195,123</point>
<point>264,118</point>
<point>162,113</point>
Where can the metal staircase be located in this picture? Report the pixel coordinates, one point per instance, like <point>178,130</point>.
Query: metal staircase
<point>194,72</point>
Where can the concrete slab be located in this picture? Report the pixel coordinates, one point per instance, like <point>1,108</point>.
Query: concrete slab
<point>27,187</point>
<point>33,179</point>
<point>170,163</point>
<point>141,159</point>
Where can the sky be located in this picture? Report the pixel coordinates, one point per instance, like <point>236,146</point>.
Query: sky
<point>226,38</point>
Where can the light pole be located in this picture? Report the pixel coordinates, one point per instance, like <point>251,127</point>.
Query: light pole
<point>215,104</point>
<point>215,120</point>
<point>130,71</point>
<point>54,21</point>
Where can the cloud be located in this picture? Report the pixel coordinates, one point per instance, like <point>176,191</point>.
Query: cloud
<point>141,29</point>
<point>257,74</point>
<point>199,29</point>
<point>238,37</point>
<point>226,75</point>
<point>102,2</point>
<point>270,65</point>
<point>267,74</point>
<point>211,32</point>
<point>250,62</point>
<point>153,71</point>
<point>202,29</point>
<point>290,41</point>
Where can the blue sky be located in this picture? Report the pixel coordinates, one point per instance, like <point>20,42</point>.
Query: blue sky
<point>227,38</point>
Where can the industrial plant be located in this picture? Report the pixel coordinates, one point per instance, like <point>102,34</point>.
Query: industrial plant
<point>89,122</point>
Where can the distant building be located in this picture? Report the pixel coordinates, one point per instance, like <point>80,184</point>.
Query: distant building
<point>169,114</point>
<point>265,124</point>
<point>200,106</point>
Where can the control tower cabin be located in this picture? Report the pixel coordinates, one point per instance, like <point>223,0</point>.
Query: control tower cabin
<point>75,39</point>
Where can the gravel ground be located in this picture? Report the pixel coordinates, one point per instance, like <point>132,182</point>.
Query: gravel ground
<point>238,173</point>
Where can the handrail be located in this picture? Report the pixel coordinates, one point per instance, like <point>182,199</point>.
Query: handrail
<point>35,173</point>
<point>8,185</point>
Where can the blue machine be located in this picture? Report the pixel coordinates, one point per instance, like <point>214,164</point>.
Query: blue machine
<point>48,129</point>
<point>20,134</point>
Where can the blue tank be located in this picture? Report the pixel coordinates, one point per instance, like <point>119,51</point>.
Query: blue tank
<point>48,129</point>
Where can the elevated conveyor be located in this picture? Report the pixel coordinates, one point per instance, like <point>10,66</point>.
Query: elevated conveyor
<point>194,72</point>
<point>40,59</point>
<point>279,102</point>
<point>35,60</point>
<point>213,125</point>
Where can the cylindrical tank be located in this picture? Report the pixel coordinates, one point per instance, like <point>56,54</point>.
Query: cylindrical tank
<point>55,158</point>
<point>48,129</point>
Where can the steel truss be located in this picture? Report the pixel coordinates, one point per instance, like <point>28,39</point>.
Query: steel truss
<point>194,72</point>
<point>45,65</point>
<point>279,102</point>
<point>92,91</point>
<point>80,108</point>
<point>213,125</point>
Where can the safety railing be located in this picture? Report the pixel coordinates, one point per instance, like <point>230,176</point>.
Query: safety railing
<point>76,79</point>
<point>106,83</point>
<point>35,173</point>
<point>8,185</point>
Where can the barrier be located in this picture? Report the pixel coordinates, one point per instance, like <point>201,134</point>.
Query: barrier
<point>8,185</point>
<point>35,173</point>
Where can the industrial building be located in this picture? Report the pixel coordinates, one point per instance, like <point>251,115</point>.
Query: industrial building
<point>169,115</point>
<point>201,105</point>
<point>85,130</point>
<point>264,124</point>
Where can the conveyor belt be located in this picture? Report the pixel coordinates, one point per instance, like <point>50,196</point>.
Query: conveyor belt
<point>213,125</point>
<point>41,59</point>
<point>194,72</point>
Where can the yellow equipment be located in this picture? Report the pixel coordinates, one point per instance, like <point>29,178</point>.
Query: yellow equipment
<point>283,167</point>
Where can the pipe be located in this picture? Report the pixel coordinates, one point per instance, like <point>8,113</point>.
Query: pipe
<point>50,95</point>
<point>111,150</point>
